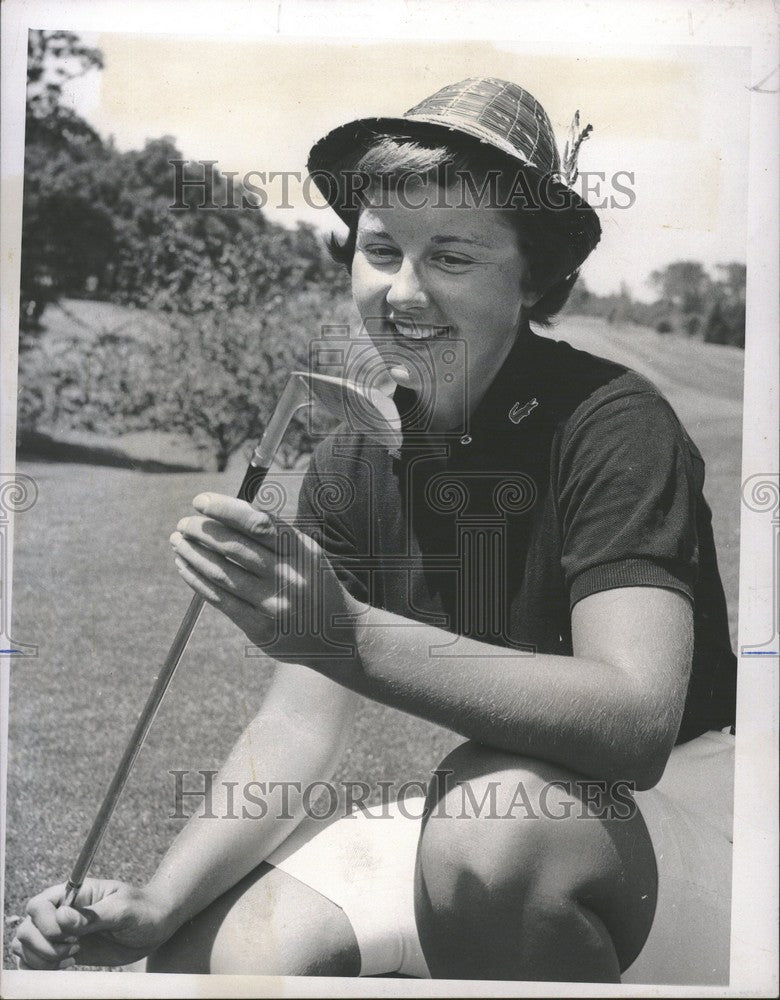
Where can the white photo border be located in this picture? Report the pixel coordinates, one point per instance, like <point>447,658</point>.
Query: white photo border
<point>572,27</point>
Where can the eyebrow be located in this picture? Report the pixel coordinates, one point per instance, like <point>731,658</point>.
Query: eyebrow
<point>383,234</point>
<point>459,239</point>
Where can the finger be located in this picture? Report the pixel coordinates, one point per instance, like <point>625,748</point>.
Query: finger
<point>218,570</point>
<point>42,910</point>
<point>237,514</point>
<point>54,894</point>
<point>253,621</point>
<point>76,920</point>
<point>243,614</point>
<point>28,959</point>
<point>229,542</point>
<point>93,915</point>
<point>93,890</point>
<point>18,952</point>
<point>224,569</point>
<point>42,948</point>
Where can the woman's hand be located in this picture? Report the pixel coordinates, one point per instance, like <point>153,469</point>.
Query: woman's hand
<point>273,581</point>
<point>110,923</point>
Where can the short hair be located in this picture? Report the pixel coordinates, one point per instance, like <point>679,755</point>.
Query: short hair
<point>541,235</point>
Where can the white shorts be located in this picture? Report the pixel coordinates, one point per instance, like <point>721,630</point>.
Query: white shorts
<point>689,815</point>
<point>365,864</point>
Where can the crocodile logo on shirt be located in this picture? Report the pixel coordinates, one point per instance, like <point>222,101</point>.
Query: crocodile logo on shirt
<point>518,412</point>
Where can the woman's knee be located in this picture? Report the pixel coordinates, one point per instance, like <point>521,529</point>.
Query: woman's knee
<point>490,814</point>
<point>508,837</point>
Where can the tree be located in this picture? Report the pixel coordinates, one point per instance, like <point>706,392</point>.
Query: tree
<point>243,295</point>
<point>690,303</point>
<point>110,224</point>
<point>724,322</point>
<point>684,284</point>
<point>579,300</point>
<point>215,366</point>
<point>63,230</point>
<point>54,58</point>
<point>221,373</point>
<point>67,234</point>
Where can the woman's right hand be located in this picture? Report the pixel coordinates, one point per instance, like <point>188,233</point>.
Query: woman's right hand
<point>110,923</point>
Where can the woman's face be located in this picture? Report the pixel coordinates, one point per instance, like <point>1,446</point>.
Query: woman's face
<point>426,277</point>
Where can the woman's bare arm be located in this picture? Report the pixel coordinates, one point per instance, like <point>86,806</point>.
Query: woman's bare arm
<point>612,710</point>
<point>298,736</point>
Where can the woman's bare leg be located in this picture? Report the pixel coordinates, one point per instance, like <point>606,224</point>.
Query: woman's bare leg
<point>268,924</point>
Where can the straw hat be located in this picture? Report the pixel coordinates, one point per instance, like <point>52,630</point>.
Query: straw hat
<point>496,113</point>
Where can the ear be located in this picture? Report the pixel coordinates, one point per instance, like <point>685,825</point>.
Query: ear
<point>530,293</point>
<point>531,289</point>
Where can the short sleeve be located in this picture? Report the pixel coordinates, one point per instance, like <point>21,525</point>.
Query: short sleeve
<point>326,505</point>
<point>627,496</point>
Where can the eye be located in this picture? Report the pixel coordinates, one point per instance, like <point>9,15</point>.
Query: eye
<point>454,261</point>
<point>380,252</point>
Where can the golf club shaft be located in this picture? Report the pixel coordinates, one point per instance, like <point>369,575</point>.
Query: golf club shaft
<point>133,748</point>
<point>253,480</point>
<point>256,472</point>
<point>297,393</point>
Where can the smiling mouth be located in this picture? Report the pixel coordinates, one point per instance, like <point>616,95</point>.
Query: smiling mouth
<point>410,330</point>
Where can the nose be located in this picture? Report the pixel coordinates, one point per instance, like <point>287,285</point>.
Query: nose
<point>407,289</point>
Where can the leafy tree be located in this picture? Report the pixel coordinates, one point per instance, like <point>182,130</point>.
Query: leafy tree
<point>733,281</point>
<point>224,373</point>
<point>724,322</point>
<point>54,58</point>
<point>63,231</point>
<point>684,284</point>
<point>67,235</point>
<point>98,221</point>
<point>690,302</point>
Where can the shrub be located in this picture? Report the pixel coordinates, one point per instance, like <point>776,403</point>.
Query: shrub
<point>215,377</point>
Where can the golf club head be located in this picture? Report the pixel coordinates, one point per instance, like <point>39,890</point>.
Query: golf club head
<point>365,410</point>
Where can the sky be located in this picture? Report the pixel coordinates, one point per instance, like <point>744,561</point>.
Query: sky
<point>675,118</point>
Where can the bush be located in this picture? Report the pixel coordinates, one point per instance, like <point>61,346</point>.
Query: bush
<point>215,378</point>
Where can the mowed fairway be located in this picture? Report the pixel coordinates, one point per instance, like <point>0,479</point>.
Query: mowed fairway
<point>96,590</point>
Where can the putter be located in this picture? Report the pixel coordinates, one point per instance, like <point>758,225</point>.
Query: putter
<point>365,408</point>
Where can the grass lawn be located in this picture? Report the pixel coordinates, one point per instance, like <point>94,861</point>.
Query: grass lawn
<point>96,589</point>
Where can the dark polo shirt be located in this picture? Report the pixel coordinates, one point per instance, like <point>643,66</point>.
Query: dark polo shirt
<point>572,476</point>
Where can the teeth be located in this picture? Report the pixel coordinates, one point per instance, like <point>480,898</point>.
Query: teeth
<point>418,332</point>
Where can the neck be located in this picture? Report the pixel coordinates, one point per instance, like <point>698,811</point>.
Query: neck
<point>447,409</point>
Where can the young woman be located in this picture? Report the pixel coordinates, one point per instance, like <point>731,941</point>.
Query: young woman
<point>534,569</point>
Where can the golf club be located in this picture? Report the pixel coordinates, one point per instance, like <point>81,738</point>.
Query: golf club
<point>365,409</point>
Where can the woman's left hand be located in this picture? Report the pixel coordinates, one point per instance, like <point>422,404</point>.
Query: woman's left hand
<point>273,581</point>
